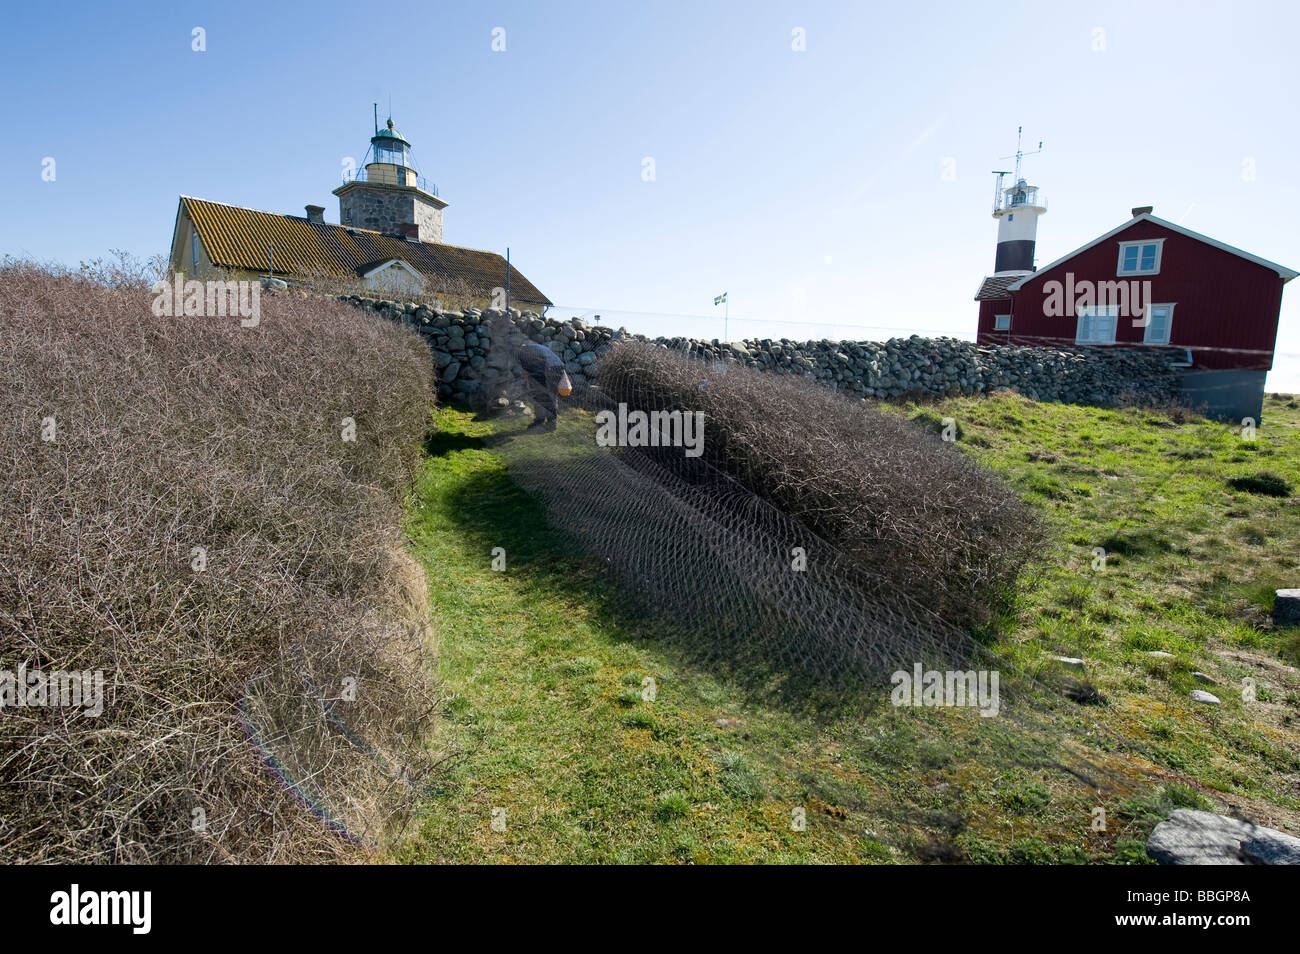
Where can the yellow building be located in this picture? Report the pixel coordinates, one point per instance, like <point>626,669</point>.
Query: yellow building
<point>388,245</point>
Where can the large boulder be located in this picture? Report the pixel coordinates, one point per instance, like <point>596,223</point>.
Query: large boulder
<point>1286,607</point>
<point>1190,837</point>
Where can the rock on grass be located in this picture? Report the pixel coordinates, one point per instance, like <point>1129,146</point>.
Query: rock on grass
<point>1191,837</point>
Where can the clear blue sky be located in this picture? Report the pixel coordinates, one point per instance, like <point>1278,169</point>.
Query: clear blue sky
<point>808,185</point>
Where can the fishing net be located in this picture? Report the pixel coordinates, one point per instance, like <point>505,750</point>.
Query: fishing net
<point>740,584</point>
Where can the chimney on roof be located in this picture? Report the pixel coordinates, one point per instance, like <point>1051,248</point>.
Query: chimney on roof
<point>410,231</point>
<point>1143,210</point>
<point>316,213</point>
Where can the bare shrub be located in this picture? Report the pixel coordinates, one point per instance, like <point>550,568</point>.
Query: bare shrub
<point>199,530</point>
<point>905,505</point>
<point>123,270</point>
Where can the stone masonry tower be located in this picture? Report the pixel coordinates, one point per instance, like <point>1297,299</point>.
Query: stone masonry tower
<point>388,195</point>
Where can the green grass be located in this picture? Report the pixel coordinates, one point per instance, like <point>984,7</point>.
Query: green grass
<point>555,720</point>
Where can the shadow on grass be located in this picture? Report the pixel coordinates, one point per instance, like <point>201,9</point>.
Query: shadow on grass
<point>492,510</point>
<point>488,506</point>
<point>442,443</point>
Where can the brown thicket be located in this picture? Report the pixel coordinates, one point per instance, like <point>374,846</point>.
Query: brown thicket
<point>905,505</point>
<point>183,510</point>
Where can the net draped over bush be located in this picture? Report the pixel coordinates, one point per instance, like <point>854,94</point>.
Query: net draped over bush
<point>184,509</point>
<point>907,507</point>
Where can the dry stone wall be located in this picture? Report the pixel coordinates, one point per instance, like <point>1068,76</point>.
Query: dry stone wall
<point>475,366</point>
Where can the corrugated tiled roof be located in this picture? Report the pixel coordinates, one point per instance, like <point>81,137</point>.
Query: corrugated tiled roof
<point>994,287</point>
<point>241,238</point>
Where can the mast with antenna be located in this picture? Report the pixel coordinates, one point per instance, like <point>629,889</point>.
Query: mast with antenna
<point>1020,152</point>
<point>1019,157</point>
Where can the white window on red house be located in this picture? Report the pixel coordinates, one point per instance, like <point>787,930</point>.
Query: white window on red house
<point>1160,319</point>
<point>1097,324</point>
<point>1140,258</point>
<point>1001,322</point>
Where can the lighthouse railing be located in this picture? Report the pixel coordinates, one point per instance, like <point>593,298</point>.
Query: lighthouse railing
<point>1022,197</point>
<point>384,177</point>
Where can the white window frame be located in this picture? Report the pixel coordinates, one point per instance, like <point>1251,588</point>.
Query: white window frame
<point>1001,322</point>
<point>1090,312</point>
<point>1155,270</point>
<point>1169,325</point>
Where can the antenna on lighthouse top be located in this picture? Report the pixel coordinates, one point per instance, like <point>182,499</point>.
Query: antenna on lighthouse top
<point>1020,193</point>
<point>376,119</point>
<point>1020,152</point>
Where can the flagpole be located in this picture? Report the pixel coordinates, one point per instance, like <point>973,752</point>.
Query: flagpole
<point>726,313</point>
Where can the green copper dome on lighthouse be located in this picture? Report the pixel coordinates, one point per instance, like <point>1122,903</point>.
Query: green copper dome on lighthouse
<point>389,135</point>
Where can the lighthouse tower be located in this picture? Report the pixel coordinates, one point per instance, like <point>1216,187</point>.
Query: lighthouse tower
<point>1016,207</point>
<point>388,194</point>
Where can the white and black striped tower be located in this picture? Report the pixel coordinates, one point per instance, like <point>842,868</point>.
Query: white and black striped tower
<point>1017,208</point>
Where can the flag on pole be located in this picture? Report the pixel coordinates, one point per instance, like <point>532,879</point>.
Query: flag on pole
<point>720,299</point>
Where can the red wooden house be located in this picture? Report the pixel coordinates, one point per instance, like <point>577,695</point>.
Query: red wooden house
<point>1147,283</point>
